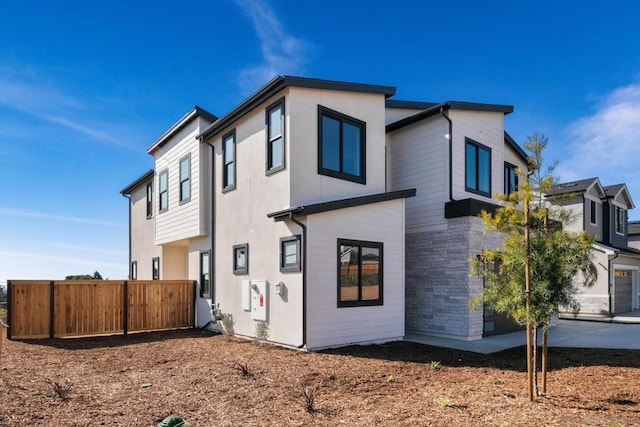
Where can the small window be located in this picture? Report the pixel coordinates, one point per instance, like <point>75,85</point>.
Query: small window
<point>275,137</point>
<point>359,273</point>
<point>164,190</point>
<point>149,200</point>
<point>134,270</point>
<point>619,220</point>
<point>290,254</point>
<point>155,268</point>
<point>593,212</point>
<point>185,179</point>
<point>341,146</point>
<point>241,259</point>
<point>510,178</point>
<point>229,162</point>
<point>478,168</point>
<point>205,276</point>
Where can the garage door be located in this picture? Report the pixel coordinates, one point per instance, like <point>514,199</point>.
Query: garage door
<point>622,292</point>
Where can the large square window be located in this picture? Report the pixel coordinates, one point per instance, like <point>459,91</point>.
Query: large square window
<point>510,178</point>
<point>478,168</point>
<point>229,162</point>
<point>341,146</point>
<point>290,254</point>
<point>163,184</point>
<point>359,273</point>
<point>275,137</point>
<point>185,178</point>
<point>241,259</point>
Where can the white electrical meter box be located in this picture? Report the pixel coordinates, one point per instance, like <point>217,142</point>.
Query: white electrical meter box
<point>246,295</point>
<point>259,300</point>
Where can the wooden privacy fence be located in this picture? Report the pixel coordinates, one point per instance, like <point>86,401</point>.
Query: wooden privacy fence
<point>66,308</point>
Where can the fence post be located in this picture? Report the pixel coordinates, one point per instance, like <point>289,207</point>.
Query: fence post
<point>195,295</point>
<point>9,308</point>
<point>52,307</point>
<point>125,308</point>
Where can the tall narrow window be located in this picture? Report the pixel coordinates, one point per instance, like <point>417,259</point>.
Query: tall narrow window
<point>478,168</point>
<point>241,259</point>
<point>510,178</point>
<point>149,200</point>
<point>341,146</point>
<point>229,162</point>
<point>134,270</point>
<point>163,184</point>
<point>205,276</point>
<point>593,212</point>
<point>185,178</point>
<point>359,273</point>
<point>155,268</point>
<point>619,220</point>
<point>275,137</point>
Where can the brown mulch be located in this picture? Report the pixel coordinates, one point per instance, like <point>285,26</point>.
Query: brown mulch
<point>214,380</point>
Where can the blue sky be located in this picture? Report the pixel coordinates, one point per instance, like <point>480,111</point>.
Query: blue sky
<point>86,86</point>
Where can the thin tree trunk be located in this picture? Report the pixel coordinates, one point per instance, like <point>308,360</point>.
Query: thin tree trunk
<point>534,358</point>
<point>544,361</point>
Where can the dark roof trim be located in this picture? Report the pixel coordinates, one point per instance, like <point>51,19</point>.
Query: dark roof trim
<point>513,144</point>
<point>579,186</point>
<point>467,207</point>
<point>453,105</point>
<point>633,228</point>
<point>281,82</point>
<point>625,251</point>
<point>409,105</point>
<point>340,204</point>
<point>179,125</point>
<point>145,177</point>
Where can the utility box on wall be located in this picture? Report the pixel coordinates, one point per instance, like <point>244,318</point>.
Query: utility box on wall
<point>259,300</point>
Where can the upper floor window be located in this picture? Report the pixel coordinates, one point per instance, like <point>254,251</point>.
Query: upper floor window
<point>341,146</point>
<point>359,273</point>
<point>510,178</point>
<point>619,220</point>
<point>185,178</point>
<point>593,212</point>
<point>477,168</point>
<point>163,184</point>
<point>229,161</point>
<point>275,137</point>
<point>149,200</point>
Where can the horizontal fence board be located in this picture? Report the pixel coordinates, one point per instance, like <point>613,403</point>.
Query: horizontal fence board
<point>97,307</point>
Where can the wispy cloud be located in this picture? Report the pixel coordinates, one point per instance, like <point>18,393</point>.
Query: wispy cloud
<point>605,144</point>
<point>44,215</point>
<point>22,90</point>
<point>282,53</point>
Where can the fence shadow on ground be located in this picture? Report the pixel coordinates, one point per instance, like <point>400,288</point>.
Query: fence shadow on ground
<point>511,359</point>
<point>110,341</point>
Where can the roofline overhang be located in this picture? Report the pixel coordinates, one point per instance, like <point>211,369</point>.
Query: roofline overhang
<point>179,125</point>
<point>140,180</point>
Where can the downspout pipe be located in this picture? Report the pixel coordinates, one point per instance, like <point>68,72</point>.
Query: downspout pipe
<point>128,197</point>
<point>212,232</point>
<point>450,153</point>
<point>304,278</point>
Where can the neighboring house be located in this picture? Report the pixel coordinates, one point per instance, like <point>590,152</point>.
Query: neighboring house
<point>329,211</point>
<point>603,212</point>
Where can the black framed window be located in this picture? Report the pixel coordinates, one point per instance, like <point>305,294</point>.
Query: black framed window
<point>290,254</point>
<point>275,137</point>
<point>477,168</point>
<point>205,274</point>
<point>593,212</point>
<point>229,161</point>
<point>510,178</point>
<point>155,268</point>
<point>185,178</point>
<point>341,146</point>
<point>134,270</point>
<point>241,259</point>
<point>359,273</point>
<point>619,220</point>
<point>149,200</point>
<point>163,190</point>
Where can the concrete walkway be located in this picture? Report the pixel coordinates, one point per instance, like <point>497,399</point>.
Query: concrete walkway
<point>623,333</point>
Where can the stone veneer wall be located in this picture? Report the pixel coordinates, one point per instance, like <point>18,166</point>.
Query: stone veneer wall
<point>438,283</point>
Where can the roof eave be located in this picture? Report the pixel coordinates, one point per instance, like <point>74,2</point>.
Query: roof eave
<point>144,177</point>
<point>179,125</point>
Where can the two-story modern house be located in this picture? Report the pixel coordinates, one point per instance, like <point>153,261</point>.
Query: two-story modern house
<point>328,211</point>
<point>603,212</point>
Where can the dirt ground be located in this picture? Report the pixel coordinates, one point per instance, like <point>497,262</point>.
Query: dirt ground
<point>214,380</point>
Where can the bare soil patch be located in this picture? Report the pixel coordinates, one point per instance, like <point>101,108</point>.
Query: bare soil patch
<point>211,379</point>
